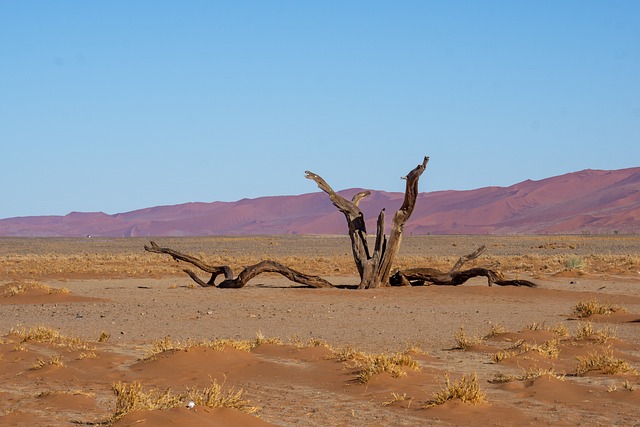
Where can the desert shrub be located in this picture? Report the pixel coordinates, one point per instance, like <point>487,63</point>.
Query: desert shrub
<point>593,306</point>
<point>574,263</point>
<point>465,389</point>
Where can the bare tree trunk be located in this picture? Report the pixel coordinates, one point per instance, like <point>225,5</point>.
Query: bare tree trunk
<point>374,267</point>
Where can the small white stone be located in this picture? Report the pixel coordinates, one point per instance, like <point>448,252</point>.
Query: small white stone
<point>191,404</point>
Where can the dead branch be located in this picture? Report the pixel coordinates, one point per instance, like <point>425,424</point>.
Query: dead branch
<point>245,275</point>
<point>455,276</point>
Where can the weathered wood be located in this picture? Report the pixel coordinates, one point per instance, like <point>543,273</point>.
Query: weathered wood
<point>215,270</point>
<point>245,275</point>
<point>355,220</point>
<point>455,276</point>
<point>374,267</point>
<point>401,216</point>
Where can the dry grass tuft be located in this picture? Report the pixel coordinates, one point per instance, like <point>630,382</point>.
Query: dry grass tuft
<point>261,339</point>
<point>104,336</point>
<point>586,331</point>
<point>396,397</point>
<point>167,344</point>
<point>19,287</point>
<point>465,389</point>
<point>395,364</point>
<point>604,362</point>
<point>131,397</point>
<point>346,354</point>
<point>55,360</point>
<point>548,349</point>
<point>593,306</point>
<point>45,334</point>
<point>215,397</point>
<point>528,374</point>
<point>495,330</point>
<point>464,341</point>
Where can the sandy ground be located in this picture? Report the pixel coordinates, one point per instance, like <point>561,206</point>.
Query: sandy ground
<point>301,383</point>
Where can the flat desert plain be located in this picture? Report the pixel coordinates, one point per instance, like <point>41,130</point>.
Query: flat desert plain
<point>100,332</point>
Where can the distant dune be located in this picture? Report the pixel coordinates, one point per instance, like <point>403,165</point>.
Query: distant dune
<point>589,201</point>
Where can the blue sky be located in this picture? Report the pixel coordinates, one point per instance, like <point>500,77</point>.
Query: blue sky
<point>118,105</point>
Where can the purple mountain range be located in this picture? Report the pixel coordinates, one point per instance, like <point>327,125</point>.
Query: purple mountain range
<point>589,201</point>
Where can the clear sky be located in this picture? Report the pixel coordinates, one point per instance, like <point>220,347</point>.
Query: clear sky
<point>119,105</point>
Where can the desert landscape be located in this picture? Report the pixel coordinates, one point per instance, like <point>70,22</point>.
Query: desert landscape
<point>96,331</point>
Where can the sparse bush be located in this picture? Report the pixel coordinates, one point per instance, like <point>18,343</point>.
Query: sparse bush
<point>574,263</point>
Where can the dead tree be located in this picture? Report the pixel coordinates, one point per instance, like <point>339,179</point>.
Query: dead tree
<point>374,266</point>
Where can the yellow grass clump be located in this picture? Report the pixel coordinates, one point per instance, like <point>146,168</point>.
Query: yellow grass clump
<point>586,331</point>
<point>22,286</point>
<point>528,374</point>
<point>464,341</point>
<point>395,364</point>
<point>588,308</point>
<point>604,362</point>
<point>167,344</point>
<point>45,334</point>
<point>55,360</point>
<point>548,349</point>
<point>465,389</point>
<point>131,397</point>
